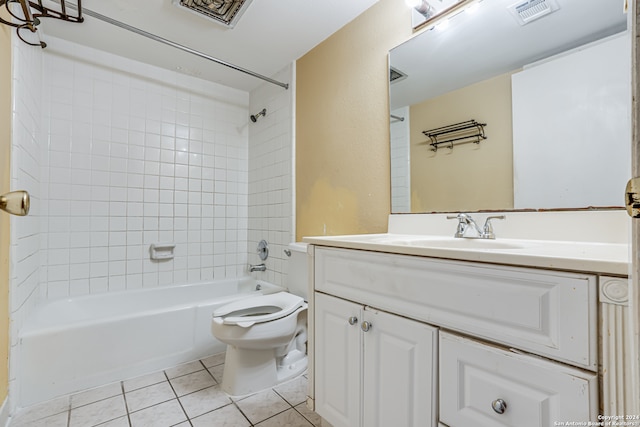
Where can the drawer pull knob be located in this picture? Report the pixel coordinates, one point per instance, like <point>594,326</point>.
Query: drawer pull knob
<point>366,326</point>
<point>353,320</point>
<point>499,406</point>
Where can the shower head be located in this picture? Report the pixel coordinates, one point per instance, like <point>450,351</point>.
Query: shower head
<point>254,117</point>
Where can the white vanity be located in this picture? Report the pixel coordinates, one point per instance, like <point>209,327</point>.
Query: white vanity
<point>416,328</point>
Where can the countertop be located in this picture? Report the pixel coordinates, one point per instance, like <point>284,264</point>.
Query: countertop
<point>580,256</point>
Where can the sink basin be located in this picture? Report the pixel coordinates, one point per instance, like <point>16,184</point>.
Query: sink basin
<point>461,243</point>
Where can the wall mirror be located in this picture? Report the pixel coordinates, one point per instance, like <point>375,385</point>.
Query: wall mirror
<point>550,79</point>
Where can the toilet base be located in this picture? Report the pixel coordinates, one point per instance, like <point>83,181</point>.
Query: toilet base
<point>250,371</point>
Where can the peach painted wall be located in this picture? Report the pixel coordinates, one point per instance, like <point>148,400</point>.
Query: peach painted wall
<point>342,125</point>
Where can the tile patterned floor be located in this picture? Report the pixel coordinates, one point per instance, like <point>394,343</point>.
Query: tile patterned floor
<point>187,395</point>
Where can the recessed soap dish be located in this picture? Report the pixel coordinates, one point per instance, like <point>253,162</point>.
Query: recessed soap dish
<point>161,251</point>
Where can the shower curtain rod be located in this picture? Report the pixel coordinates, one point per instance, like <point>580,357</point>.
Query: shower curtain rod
<point>179,46</point>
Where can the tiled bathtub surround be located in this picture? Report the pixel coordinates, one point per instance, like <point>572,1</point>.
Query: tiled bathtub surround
<point>271,204</point>
<point>139,155</point>
<point>186,395</point>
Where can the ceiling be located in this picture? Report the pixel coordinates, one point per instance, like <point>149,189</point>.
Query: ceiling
<point>489,41</point>
<point>269,35</point>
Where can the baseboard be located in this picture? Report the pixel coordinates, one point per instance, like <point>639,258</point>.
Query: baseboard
<point>5,411</point>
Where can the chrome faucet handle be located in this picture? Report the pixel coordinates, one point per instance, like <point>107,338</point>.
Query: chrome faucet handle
<point>463,223</point>
<point>487,230</point>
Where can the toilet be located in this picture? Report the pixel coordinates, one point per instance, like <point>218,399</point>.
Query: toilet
<point>266,335</point>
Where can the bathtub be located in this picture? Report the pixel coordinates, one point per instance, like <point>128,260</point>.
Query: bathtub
<point>73,344</point>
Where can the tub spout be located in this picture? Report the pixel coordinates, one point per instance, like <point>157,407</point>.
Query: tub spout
<point>257,267</point>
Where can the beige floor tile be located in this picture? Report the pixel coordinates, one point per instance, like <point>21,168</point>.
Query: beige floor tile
<point>309,414</point>
<point>290,418</point>
<point>98,412</point>
<point>262,405</point>
<point>216,359</point>
<point>163,415</point>
<point>228,416</point>
<point>294,391</point>
<point>192,382</point>
<point>184,369</point>
<point>149,396</point>
<point>144,381</point>
<point>204,401</point>
<point>96,394</point>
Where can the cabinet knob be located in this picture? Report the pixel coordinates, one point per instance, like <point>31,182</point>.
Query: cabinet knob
<point>366,326</point>
<point>499,406</point>
<point>353,320</point>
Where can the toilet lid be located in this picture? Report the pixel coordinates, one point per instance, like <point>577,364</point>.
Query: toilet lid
<point>264,308</point>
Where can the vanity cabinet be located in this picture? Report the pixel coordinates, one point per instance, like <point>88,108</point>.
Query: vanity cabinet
<point>533,346</point>
<point>487,386</point>
<point>373,368</point>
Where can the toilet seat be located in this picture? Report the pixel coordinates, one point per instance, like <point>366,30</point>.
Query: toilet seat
<point>260,309</point>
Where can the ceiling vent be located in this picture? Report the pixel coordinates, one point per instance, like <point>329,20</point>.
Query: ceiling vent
<point>530,10</point>
<point>396,75</point>
<point>225,12</point>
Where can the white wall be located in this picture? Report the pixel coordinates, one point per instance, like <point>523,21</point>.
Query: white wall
<point>139,155</point>
<point>271,175</point>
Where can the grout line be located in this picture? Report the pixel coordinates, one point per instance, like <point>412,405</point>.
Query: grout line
<point>178,399</point>
<point>126,405</point>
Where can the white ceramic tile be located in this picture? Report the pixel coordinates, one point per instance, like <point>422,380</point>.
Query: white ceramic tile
<point>184,369</point>
<point>58,420</point>
<point>203,401</point>
<point>192,382</point>
<point>118,422</point>
<point>164,414</point>
<point>217,372</point>
<point>42,410</point>
<point>98,412</point>
<point>290,418</point>
<point>261,406</point>
<point>310,415</point>
<point>229,416</point>
<point>96,394</point>
<point>149,396</point>
<point>144,381</point>
<point>294,391</point>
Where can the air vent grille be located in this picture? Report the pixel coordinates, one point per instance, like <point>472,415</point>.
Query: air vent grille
<point>225,12</point>
<point>530,10</point>
<point>396,75</point>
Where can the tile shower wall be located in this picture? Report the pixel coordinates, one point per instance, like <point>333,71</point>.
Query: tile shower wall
<point>271,204</point>
<point>400,162</point>
<point>139,155</point>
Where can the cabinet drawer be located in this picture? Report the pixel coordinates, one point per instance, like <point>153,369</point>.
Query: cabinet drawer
<point>544,312</point>
<point>530,391</point>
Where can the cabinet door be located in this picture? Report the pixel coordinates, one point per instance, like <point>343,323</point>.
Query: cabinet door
<point>485,386</point>
<point>338,352</point>
<point>399,371</point>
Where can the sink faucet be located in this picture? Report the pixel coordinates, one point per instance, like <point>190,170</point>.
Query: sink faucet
<point>465,221</point>
<point>257,267</point>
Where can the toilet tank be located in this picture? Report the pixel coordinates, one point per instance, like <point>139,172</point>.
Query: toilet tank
<point>297,279</point>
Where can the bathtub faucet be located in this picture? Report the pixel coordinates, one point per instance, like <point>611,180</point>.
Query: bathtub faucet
<point>257,267</point>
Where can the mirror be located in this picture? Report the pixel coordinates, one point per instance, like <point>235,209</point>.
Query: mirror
<point>550,79</point>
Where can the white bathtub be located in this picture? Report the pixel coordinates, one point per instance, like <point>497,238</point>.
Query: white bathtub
<point>73,344</point>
